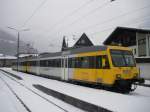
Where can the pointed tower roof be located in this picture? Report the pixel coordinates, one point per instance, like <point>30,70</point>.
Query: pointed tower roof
<point>64,45</point>
<point>83,41</point>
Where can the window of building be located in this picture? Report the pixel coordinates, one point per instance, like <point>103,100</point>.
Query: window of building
<point>149,44</point>
<point>142,47</point>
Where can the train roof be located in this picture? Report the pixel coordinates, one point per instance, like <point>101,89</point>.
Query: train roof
<point>86,49</point>
<point>75,51</point>
<point>68,52</point>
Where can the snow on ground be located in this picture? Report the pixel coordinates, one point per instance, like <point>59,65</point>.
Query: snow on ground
<point>137,101</point>
<point>147,82</point>
<point>31,100</point>
<point>8,101</point>
<point>34,102</point>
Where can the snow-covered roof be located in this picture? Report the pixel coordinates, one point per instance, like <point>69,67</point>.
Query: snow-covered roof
<point>25,55</point>
<point>7,57</point>
<point>74,40</point>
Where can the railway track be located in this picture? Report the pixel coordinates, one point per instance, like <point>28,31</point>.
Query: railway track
<point>26,107</point>
<point>10,88</point>
<point>115,105</point>
<point>63,97</point>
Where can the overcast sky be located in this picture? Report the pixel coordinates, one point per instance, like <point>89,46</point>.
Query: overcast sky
<point>57,18</point>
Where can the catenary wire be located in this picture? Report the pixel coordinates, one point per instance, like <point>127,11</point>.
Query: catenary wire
<point>148,19</point>
<point>117,17</point>
<point>85,15</point>
<point>71,13</point>
<point>34,12</point>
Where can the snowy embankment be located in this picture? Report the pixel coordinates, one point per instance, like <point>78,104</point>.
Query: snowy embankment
<point>137,101</point>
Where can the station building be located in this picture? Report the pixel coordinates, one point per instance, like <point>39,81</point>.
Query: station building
<point>6,60</point>
<point>136,39</point>
<point>83,41</point>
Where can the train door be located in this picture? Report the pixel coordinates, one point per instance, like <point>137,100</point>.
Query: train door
<point>106,70</point>
<point>64,75</point>
<point>99,70</point>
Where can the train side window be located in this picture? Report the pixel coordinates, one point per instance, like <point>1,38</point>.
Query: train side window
<point>62,62</point>
<point>98,61</point>
<point>85,62</point>
<point>92,62</point>
<point>49,63</point>
<point>54,63</point>
<point>72,62</point>
<point>69,62</point>
<point>31,63</point>
<point>106,62</point>
<point>58,62</point>
<point>77,62</point>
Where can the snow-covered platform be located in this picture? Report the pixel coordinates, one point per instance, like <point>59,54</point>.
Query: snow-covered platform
<point>137,101</point>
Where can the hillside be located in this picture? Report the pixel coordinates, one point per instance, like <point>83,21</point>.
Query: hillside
<point>8,44</point>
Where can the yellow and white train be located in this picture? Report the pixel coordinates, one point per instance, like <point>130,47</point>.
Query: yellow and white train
<point>110,66</point>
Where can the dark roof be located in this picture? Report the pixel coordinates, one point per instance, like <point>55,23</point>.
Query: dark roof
<point>121,31</point>
<point>88,49</point>
<point>142,60</point>
<point>83,41</point>
<point>50,54</point>
<point>64,44</point>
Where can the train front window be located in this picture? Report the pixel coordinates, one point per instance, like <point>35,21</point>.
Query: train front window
<point>122,58</point>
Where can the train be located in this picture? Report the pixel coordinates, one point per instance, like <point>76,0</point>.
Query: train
<point>107,66</point>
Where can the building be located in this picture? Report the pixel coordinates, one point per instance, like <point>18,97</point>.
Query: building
<point>6,60</point>
<point>83,41</point>
<point>138,40</point>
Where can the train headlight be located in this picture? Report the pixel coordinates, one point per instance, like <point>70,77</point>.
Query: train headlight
<point>135,75</point>
<point>118,76</point>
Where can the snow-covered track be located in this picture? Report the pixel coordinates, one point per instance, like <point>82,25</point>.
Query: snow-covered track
<point>73,101</point>
<point>136,101</point>
<point>13,75</point>
<point>7,75</point>
<point>145,85</point>
<point>24,105</point>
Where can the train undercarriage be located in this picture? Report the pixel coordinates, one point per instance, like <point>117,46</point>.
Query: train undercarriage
<point>126,86</point>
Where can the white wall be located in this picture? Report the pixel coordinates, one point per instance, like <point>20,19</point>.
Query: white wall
<point>134,48</point>
<point>145,70</point>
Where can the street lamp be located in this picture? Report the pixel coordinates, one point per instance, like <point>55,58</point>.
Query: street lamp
<point>18,31</point>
